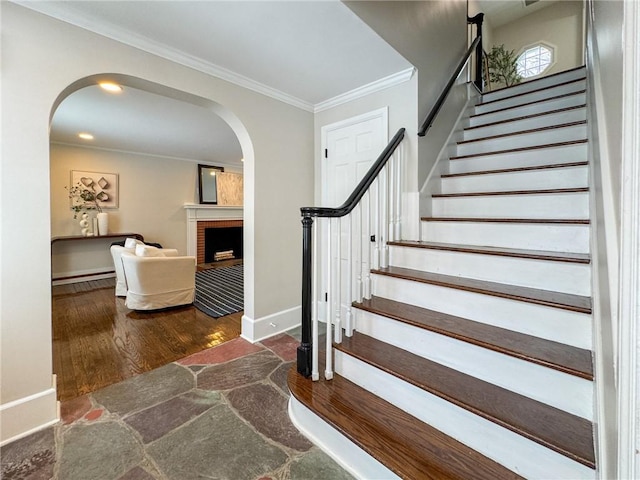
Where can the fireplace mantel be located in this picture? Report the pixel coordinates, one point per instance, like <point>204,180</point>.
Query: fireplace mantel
<point>197,212</point>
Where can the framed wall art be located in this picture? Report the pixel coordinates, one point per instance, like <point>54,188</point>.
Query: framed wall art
<point>103,185</point>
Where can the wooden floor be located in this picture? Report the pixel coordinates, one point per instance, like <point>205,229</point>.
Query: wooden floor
<point>97,341</point>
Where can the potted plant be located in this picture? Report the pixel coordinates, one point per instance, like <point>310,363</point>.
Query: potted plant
<point>502,66</point>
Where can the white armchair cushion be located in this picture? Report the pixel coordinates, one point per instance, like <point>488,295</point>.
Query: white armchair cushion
<point>116,254</point>
<point>159,282</point>
<point>132,242</point>
<point>148,251</point>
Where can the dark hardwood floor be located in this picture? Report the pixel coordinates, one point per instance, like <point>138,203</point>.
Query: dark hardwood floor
<point>97,341</point>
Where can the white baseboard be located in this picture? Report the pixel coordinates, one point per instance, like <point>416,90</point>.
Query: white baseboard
<point>64,278</point>
<point>28,415</point>
<point>255,330</point>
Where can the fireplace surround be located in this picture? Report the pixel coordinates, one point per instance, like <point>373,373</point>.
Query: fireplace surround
<point>202,217</point>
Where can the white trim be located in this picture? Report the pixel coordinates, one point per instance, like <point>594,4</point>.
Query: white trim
<point>342,450</point>
<point>154,155</point>
<point>375,86</point>
<point>80,276</point>
<point>140,42</point>
<point>256,330</point>
<point>27,415</point>
<point>382,113</point>
<point>629,296</point>
<point>549,46</point>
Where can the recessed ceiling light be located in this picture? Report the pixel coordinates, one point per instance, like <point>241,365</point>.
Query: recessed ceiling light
<point>85,136</point>
<point>110,87</point>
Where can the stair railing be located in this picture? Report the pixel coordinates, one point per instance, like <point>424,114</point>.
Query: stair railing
<point>374,206</point>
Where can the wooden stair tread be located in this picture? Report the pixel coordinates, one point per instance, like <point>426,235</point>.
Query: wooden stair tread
<point>520,149</point>
<point>512,192</point>
<point>548,87</point>
<point>561,221</point>
<point>565,301</point>
<point>526,117</point>
<point>498,251</point>
<point>524,132</point>
<point>405,445</point>
<point>564,358</point>
<point>514,170</point>
<point>560,431</point>
<point>564,95</point>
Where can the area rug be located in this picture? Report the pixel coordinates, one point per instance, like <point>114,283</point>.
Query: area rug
<point>220,291</point>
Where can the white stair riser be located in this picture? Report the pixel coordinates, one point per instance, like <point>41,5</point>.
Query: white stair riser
<point>565,116</point>
<point>515,452</point>
<point>552,387</point>
<point>526,158</point>
<point>552,323</point>
<point>552,237</point>
<point>565,277</point>
<point>531,109</point>
<point>535,96</point>
<point>544,137</point>
<point>549,205</point>
<point>527,86</point>
<point>566,177</point>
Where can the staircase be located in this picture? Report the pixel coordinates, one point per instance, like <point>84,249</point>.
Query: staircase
<point>472,358</point>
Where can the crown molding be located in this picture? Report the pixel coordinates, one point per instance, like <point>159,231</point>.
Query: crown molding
<point>146,154</point>
<point>369,88</point>
<point>64,12</point>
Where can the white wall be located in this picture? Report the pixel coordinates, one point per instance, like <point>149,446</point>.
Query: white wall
<point>402,103</point>
<point>559,24</point>
<point>41,57</point>
<point>152,192</point>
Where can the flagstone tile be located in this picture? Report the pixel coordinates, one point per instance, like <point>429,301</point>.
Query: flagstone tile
<point>317,464</point>
<point>230,350</point>
<point>266,410</point>
<point>283,345</point>
<point>72,410</point>
<point>240,372</point>
<point>145,390</point>
<point>32,457</point>
<point>137,473</point>
<point>279,376</point>
<point>217,444</point>
<point>157,421</point>
<point>98,451</point>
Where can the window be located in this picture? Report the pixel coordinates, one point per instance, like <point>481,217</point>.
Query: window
<point>534,60</point>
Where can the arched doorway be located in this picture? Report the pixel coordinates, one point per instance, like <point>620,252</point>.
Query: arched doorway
<point>130,342</point>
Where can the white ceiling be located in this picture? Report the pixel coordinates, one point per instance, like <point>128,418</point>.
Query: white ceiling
<point>501,12</point>
<point>302,52</point>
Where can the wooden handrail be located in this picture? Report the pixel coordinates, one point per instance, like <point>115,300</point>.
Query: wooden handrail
<point>361,188</point>
<point>443,96</point>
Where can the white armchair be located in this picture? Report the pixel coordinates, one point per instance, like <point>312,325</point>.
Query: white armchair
<point>116,253</point>
<point>155,282</point>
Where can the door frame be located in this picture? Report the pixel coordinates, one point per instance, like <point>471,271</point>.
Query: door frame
<point>382,113</point>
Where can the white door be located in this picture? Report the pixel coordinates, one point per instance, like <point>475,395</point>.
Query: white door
<point>350,148</point>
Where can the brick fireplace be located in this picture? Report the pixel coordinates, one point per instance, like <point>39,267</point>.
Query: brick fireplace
<point>202,217</point>
<point>203,226</point>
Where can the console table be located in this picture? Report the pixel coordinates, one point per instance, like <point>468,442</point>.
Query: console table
<point>55,240</point>
<point>108,235</point>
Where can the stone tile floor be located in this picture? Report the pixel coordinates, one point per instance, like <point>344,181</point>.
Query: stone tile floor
<point>218,414</point>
